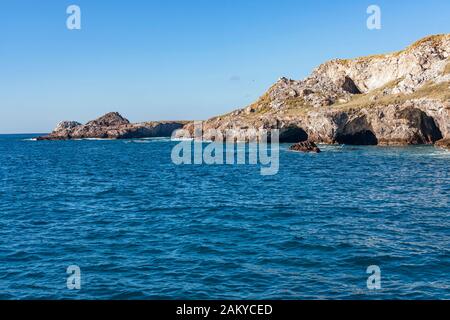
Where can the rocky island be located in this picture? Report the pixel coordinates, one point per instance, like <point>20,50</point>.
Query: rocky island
<point>401,98</point>
<point>112,126</point>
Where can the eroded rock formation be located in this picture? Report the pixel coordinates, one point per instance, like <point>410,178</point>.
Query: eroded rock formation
<point>394,99</point>
<point>112,126</point>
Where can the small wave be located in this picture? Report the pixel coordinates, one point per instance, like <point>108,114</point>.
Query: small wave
<point>156,139</point>
<point>181,139</point>
<point>443,155</point>
<point>433,153</point>
<point>336,147</point>
<point>147,140</point>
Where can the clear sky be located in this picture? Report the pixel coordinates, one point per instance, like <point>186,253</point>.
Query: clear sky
<point>180,59</point>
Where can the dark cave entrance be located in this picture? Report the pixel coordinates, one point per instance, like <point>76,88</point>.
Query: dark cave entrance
<point>293,135</point>
<point>430,130</point>
<point>350,86</point>
<point>361,138</point>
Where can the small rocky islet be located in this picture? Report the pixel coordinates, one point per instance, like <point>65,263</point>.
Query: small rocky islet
<point>401,98</point>
<point>112,126</point>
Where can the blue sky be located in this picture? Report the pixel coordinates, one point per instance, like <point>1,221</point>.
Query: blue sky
<point>180,59</point>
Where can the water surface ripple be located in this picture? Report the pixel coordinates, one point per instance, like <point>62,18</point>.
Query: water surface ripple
<point>141,227</point>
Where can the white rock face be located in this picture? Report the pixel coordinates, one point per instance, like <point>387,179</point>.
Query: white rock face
<point>421,62</point>
<point>66,125</point>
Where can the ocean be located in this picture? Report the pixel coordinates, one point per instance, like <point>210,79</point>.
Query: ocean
<point>140,227</point>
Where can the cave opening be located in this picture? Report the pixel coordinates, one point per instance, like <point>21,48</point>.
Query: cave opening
<point>430,130</point>
<point>362,138</point>
<point>350,86</point>
<point>293,135</point>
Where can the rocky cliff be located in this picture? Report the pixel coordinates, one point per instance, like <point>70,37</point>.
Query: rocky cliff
<point>392,99</point>
<point>112,126</point>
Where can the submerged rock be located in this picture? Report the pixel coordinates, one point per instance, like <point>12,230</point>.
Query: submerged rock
<point>305,146</point>
<point>112,126</point>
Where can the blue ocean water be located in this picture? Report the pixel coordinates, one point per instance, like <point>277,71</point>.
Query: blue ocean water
<point>140,227</point>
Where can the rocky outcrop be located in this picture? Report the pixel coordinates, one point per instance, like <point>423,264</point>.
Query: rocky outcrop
<point>112,126</point>
<point>394,99</point>
<point>443,143</point>
<point>305,146</point>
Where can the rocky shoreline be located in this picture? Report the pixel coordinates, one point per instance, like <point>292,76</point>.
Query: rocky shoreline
<point>402,98</point>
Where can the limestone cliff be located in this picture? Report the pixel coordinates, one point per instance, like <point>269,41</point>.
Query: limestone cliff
<point>392,99</point>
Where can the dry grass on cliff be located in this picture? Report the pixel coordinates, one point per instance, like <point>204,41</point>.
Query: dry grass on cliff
<point>447,69</point>
<point>440,91</point>
<point>434,40</point>
<point>295,103</point>
<point>369,58</point>
<point>297,111</point>
<point>360,101</point>
<point>375,98</point>
<point>262,105</point>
